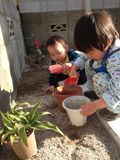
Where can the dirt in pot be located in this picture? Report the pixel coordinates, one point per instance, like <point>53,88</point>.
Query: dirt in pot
<point>61,92</point>
<point>75,104</point>
<point>70,86</point>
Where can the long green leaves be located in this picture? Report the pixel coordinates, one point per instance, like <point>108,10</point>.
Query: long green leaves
<point>21,104</point>
<point>5,135</point>
<point>22,135</point>
<point>12,137</point>
<point>32,113</point>
<point>6,122</point>
<point>19,123</point>
<point>46,125</point>
<point>1,130</point>
<point>18,118</point>
<point>39,115</point>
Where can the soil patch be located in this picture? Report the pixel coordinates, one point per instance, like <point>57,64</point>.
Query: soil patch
<point>73,105</point>
<point>88,142</point>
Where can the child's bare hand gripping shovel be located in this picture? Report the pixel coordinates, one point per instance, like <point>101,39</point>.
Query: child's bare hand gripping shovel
<point>56,69</point>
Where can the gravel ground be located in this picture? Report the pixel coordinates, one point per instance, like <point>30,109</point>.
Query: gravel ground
<point>88,142</point>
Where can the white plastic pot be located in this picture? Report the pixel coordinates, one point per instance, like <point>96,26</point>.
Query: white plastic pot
<point>74,114</point>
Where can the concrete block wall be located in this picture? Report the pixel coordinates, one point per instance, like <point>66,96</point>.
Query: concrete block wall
<point>47,24</point>
<point>12,51</point>
<point>49,17</point>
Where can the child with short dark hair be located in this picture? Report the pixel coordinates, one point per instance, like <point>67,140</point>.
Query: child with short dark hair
<point>96,36</point>
<point>60,54</point>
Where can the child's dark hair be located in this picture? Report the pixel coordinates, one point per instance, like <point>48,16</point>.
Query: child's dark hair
<point>53,39</point>
<point>94,29</point>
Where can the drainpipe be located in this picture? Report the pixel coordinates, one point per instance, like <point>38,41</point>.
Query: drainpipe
<point>86,6</point>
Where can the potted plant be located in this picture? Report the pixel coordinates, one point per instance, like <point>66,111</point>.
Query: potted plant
<point>18,129</point>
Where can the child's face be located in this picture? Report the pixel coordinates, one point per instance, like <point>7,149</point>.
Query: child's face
<point>58,52</point>
<point>96,54</point>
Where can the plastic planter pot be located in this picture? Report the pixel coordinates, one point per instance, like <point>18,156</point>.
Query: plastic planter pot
<point>22,151</point>
<point>61,93</point>
<point>71,104</point>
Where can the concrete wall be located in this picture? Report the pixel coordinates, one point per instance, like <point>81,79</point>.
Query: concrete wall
<point>12,51</point>
<point>49,17</point>
<point>47,24</point>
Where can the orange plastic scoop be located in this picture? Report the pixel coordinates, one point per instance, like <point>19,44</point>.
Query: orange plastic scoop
<point>56,68</point>
<point>70,83</point>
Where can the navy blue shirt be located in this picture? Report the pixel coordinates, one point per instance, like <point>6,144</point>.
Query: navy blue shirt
<point>55,78</point>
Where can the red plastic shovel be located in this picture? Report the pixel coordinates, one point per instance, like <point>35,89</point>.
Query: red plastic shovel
<point>70,83</point>
<point>56,68</point>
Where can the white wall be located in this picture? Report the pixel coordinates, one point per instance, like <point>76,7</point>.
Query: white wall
<point>28,6</point>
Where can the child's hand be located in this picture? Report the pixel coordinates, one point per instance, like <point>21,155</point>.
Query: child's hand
<point>78,74</point>
<point>51,88</point>
<point>88,109</point>
<point>73,72</point>
<point>66,66</point>
<point>91,107</point>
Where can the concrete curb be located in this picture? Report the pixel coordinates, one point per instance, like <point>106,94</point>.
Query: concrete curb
<point>112,127</point>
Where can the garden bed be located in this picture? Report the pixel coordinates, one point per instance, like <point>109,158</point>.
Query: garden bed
<point>88,142</point>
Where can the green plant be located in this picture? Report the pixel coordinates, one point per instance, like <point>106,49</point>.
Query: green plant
<point>35,45</point>
<point>19,124</point>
